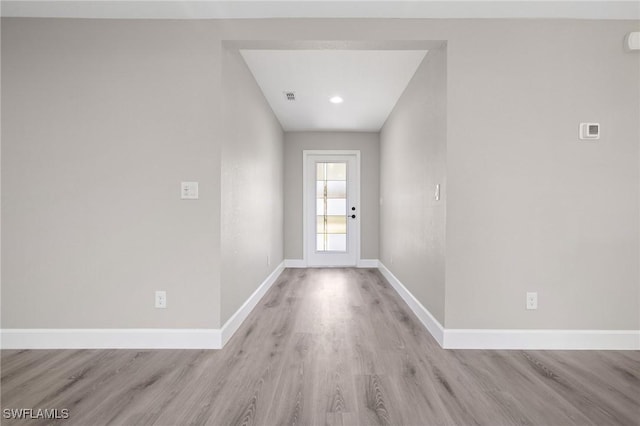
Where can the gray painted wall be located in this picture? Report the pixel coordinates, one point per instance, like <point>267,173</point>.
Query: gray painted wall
<point>102,119</point>
<point>413,162</point>
<point>369,146</point>
<point>530,207</point>
<point>252,192</point>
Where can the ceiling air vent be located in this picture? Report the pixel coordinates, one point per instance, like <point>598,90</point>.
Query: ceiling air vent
<point>291,96</point>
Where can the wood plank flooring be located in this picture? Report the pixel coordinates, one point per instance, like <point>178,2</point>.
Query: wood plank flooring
<point>327,347</point>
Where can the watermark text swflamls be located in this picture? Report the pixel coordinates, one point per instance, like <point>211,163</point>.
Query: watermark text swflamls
<point>35,413</point>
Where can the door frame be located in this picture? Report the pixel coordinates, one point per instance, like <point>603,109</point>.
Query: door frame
<point>305,209</point>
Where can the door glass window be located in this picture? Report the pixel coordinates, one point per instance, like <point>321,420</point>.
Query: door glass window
<point>331,207</point>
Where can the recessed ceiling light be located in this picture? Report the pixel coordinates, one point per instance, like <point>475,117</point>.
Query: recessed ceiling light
<point>336,100</point>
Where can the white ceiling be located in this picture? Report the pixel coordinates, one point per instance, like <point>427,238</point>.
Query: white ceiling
<point>207,9</point>
<point>369,81</point>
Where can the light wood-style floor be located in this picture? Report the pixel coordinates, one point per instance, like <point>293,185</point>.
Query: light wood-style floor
<point>327,347</point>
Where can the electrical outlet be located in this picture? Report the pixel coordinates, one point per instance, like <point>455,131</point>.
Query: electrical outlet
<point>161,299</point>
<point>532,300</point>
<point>268,260</point>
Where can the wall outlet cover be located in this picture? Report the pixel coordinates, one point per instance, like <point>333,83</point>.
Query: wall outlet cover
<point>161,299</point>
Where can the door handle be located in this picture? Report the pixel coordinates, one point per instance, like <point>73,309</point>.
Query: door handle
<point>353,216</point>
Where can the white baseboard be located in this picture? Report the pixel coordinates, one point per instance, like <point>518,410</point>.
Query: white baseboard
<point>368,263</point>
<point>236,320</point>
<point>134,338</point>
<point>426,318</point>
<point>295,263</point>
<point>300,263</point>
<point>450,338</point>
<point>542,339</point>
<point>151,338</point>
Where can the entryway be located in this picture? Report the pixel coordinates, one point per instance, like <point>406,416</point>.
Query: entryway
<point>331,207</point>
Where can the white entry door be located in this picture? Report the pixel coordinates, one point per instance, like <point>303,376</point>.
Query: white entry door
<point>332,216</point>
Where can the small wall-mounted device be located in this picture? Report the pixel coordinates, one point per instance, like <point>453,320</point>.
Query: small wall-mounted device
<point>161,299</point>
<point>589,131</point>
<point>189,190</point>
<point>632,41</point>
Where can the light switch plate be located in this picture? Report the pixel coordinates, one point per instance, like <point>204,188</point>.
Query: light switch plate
<point>532,301</point>
<point>189,190</point>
